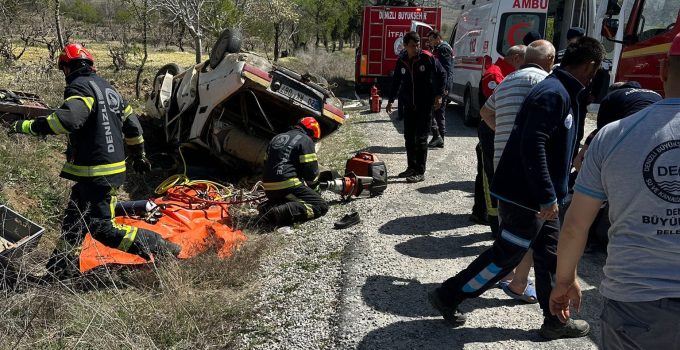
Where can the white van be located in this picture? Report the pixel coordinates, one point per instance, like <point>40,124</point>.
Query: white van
<point>487,28</point>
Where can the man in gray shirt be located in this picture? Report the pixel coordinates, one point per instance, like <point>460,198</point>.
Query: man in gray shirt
<point>499,113</point>
<point>633,164</point>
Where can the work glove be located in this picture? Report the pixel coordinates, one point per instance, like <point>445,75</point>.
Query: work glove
<point>140,164</point>
<point>21,127</point>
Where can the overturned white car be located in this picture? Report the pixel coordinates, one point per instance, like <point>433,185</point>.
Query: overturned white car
<point>236,102</point>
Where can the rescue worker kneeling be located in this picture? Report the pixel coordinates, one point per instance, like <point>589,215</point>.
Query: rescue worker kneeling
<point>98,122</point>
<point>291,176</point>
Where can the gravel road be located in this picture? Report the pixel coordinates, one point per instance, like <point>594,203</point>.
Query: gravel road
<point>365,287</point>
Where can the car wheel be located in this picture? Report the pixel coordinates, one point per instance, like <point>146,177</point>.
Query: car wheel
<point>171,68</point>
<point>228,42</point>
<point>469,116</point>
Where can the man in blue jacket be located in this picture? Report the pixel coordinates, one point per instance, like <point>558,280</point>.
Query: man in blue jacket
<point>530,183</point>
<point>419,78</point>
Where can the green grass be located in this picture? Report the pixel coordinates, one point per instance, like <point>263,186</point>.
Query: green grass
<point>342,145</point>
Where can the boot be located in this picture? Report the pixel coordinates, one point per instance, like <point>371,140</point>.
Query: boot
<point>63,265</point>
<point>451,314</point>
<point>147,243</point>
<point>436,142</point>
<point>407,173</point>
<point>552,328</point>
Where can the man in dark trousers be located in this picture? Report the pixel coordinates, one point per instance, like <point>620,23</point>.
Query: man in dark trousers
<point>421,78</point>
<point>531,182</point>
<point>99,123</point>
<point>444,54</point>
<point>491,78</point>
<point>291,176</point>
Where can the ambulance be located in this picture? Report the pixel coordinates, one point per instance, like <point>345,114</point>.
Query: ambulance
<point>486,29</point>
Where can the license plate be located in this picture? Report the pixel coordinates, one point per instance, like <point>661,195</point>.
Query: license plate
<point>299,96</point>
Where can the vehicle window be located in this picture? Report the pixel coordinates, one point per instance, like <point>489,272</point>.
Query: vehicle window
<point>580,17</point>
<point>514,26</point>
<point>657,17</point>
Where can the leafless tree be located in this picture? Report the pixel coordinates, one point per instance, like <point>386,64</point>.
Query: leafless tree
<point>57,22</point>
<point>189,12</point>
<point>141,10</point>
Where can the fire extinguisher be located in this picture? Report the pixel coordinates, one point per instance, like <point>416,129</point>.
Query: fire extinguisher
<point>375,99</point>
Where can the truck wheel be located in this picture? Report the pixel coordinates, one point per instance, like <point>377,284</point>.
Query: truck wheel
<point>470,113</point>
<point>228,42</point>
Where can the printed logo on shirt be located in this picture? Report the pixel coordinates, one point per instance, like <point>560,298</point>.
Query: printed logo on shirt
<point>661,171</point>
<point>403,71</point>
<point>113,99</point>
<point>422,68</point>
<point>280,141</point>
<point>569,121</point>
<point>492,85</point>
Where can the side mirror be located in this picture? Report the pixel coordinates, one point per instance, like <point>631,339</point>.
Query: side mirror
<point>609,28</point>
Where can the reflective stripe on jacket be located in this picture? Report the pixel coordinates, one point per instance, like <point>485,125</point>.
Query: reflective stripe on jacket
<point>291,160</point>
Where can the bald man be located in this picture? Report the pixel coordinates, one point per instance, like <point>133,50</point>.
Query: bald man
<point>499,114</point>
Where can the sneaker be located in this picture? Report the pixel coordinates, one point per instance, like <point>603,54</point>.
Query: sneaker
<point>407,173</point>
<point>450,313</point>
<point>415,178</point>
<point>552,328</point>
<point>437,142</point>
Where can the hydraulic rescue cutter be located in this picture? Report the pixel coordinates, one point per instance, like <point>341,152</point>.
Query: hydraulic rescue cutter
<point>365,175</point>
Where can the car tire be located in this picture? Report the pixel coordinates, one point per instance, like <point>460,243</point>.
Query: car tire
<point>470,112</point>
<point>228,42</point>
<point>171,68</point>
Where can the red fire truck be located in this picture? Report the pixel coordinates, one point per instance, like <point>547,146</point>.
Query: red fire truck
<point>381,39</point>
<point>641,32</point>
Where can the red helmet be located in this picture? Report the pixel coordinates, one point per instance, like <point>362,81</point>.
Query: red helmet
<point>74,52</point>
<point>312,126</point>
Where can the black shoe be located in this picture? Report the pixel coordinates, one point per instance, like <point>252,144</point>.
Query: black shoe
<point>479,219</point>
<point>415,178</point>
<point>63,266</point>
<point>437,142</point>
<point>407,173</point>
<point>348,220</point>
<point>552,329</point>
<point>450,313</point>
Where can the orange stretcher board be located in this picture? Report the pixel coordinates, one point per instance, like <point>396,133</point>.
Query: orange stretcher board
<point>196,228</point>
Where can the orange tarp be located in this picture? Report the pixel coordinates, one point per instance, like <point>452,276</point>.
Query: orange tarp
<point>195,227</point>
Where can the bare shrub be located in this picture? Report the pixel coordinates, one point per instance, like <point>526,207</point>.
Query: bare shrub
<point>40,78</point>
<point>329,65</point>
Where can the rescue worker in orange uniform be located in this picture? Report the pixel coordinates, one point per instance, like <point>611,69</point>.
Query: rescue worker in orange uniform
<point>99,124</point>
<point>291,176</point>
